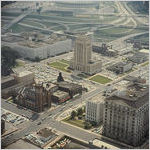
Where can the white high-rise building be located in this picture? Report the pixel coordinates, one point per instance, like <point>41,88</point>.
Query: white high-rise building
<point>82,60</point>
<point>95,108</point>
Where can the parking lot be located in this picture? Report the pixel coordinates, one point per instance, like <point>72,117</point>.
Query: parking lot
<point>13,118</point>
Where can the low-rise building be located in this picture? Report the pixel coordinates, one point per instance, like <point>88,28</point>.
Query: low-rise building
<point>138,57</point>
<point>104,50</point>
<point>7,81</point>
<point>121,67</point>
<point>71,88</point>
<point>60,96</point>
<point>25,77</point>
<point>95,108</point>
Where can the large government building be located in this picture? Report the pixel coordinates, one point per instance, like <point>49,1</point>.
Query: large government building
<point>82,60</point>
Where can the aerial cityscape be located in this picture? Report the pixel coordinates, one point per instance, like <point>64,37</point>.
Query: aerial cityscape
<point>75,74</point>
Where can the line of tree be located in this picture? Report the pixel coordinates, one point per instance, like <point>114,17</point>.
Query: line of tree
<point>8,60</point>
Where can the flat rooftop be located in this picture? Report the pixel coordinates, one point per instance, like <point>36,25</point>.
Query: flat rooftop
<point>135,95</point>
<point>59,93</point>
<point>68,85</point>
<point>97,98</point>
<point>24,73</point>
<point>21,144</point>
<point>98,143</point>
<point>6,79</point>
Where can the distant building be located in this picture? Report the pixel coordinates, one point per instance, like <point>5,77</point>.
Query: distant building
<point>120,67</point>
<point>2,125</point>
<point>138,58</point>
<point>16,81</point>
<point>71,88</point>
<point>35,97</point>
<point>126,114</point>
<point>7,81</point>
<point>104,50</point>
<point>60,96</point>
<point>94,109</point>
<point>82,60</point>
<point>42,48</point>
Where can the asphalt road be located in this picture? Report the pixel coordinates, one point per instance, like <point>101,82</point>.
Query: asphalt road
<point>45,118</point>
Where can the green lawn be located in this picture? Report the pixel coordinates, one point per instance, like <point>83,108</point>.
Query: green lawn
<point>146,63</point>
<point>78,123</point>
<point>64,61</point>
<point>100,79</point>
<point>60,66</point>
<point>19,64</point>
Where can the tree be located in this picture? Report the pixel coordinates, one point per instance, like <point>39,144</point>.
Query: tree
<point>8,60</point>
<point>87,125</point>
<point>73,114</point>
<point>37,59</point>
<point>80,112</point>
<point>93,123</point>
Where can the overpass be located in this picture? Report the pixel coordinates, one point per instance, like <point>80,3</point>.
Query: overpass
<point>16,20</point>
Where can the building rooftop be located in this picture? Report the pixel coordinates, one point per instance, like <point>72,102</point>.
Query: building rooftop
<point>135,95</point>
<point>24,73</point>
<point>59,93</point>
<point>6,79</point>
<point>101,144</point>
<point>98,98</point>
<point>71,86</point>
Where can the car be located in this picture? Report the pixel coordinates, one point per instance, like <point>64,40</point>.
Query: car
<point>38,123</point>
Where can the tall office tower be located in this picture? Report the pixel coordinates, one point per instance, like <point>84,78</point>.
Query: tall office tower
<point>126,115</point>
<point>82,51</point>
<point>95,108</point>
<point>82,60</point>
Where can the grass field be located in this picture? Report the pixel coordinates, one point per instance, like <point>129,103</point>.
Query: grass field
<point>146,63</point>
<point>60,66</point>
<point>78,123</point>
<point>64,61</point>
<point>19,64</point>
<point>100,79</point>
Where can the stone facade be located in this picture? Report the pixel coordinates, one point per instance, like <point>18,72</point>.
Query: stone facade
<point>126,116</point>
<point>82,60</point>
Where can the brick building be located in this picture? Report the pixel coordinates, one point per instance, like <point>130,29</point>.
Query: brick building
<point>35,97</point>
